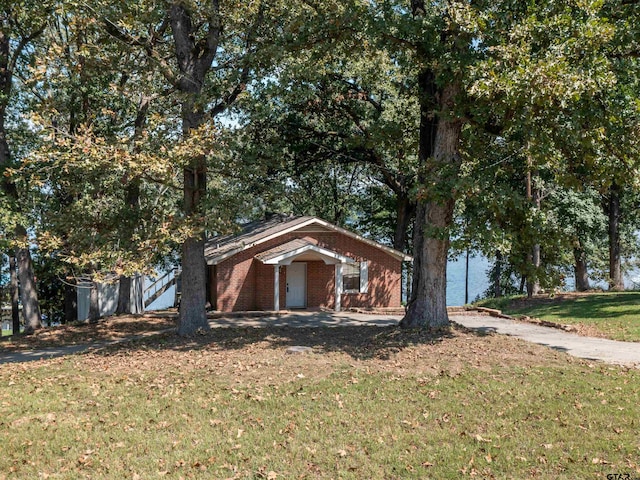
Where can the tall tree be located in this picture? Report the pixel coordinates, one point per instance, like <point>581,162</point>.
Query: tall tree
<point>105,187</point>
<point>440,88</point>
<point>20,25</point>
<point>213,69</point>
<point>195,59</point>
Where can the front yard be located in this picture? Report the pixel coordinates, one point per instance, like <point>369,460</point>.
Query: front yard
<point>366,403</point>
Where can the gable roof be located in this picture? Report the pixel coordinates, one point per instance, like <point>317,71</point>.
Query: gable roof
<point>220,248</point>
<point>284,254</point>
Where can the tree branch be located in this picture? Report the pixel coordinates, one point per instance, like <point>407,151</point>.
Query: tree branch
<point>357,88</point>
<point>213,37</point>
<point>147,44</point>
<point>24,41</point>
<point>233,94</point>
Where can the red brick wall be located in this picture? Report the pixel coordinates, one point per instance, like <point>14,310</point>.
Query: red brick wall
<point>320,284</point>
<point>244,283</point>
<point>236,283</point>
<point>264,288</point>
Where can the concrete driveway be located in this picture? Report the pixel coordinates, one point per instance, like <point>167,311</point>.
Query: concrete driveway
<point>610,351</point>
<point>302,318</point>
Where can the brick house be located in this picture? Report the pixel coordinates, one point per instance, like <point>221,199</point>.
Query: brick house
<point>301,262</point>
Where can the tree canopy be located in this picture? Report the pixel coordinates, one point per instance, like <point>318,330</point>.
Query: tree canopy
<point>132,130</point>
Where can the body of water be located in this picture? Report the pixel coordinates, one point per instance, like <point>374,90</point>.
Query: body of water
<point>478,280</point>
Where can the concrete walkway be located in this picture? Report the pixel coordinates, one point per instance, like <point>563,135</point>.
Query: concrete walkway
<point>63,350</point>
<point>304,318</point>
<point>610,351</point>
<point>47,353</point>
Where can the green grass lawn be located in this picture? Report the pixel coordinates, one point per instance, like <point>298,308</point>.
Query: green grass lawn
<point>614,315</point>
<point>251,411</point>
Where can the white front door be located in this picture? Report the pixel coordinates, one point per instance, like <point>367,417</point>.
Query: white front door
<point>297,285</point>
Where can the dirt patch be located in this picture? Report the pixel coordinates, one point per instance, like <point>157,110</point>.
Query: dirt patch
<point>109,329</point>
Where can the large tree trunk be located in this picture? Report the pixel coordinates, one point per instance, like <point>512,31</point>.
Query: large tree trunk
<point>132,198</point>
<point>28,291</point>
<point>13,292</point>
<point>194,61</point>
<point>124,295</point>
<point>533,282</point>
<point>193,314</point>
<point>405,212</point>
<point>439,144</point>
<point>94,303</point>
<point>194,56</point>
<point>616,281</point>
<point>427,306</point>
<point>130,293</point>
<point>580,269</point>
<point>70,302</point>
<point>193,299</point>
<point>137,292</point>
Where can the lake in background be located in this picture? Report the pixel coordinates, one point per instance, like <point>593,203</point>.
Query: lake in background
<point>478,280</point>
